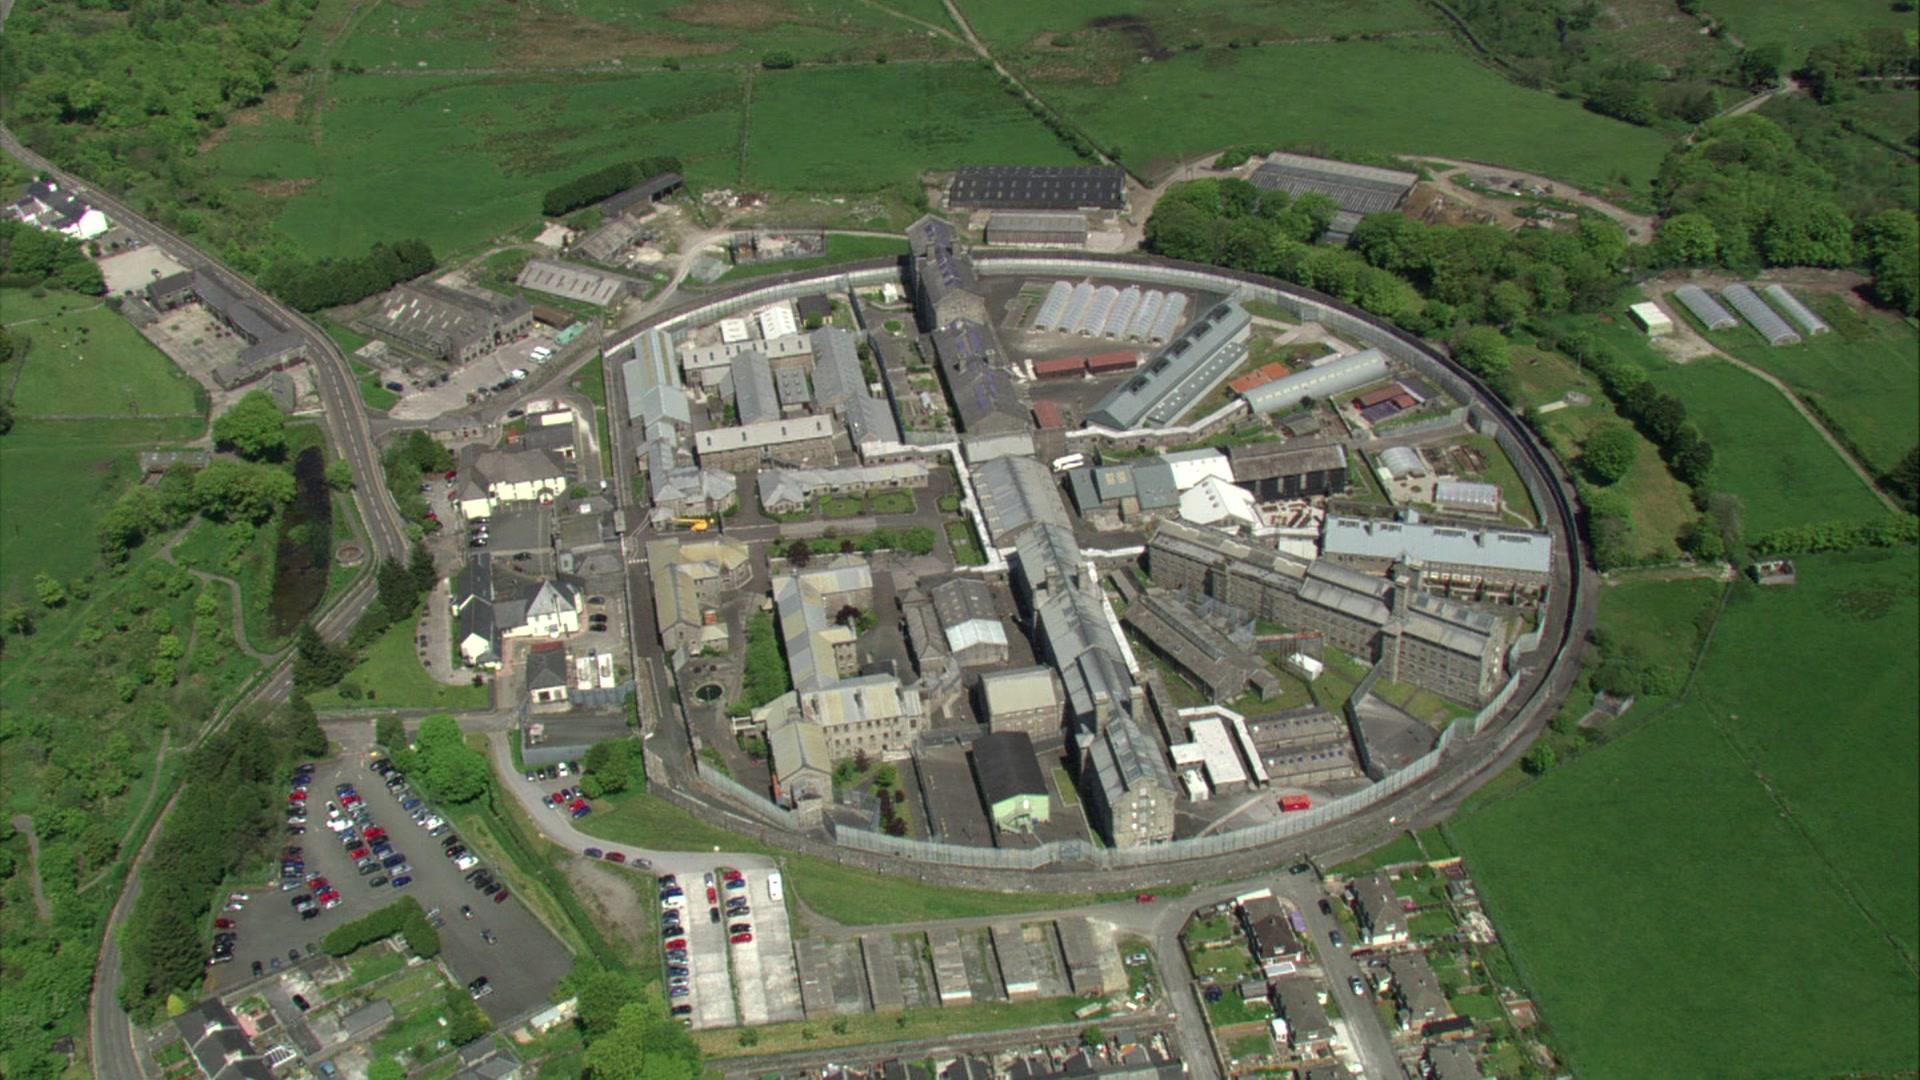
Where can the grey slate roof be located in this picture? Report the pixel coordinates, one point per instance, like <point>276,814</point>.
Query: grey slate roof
<point>1039,187</point>
<point>1006,766</point>
<point>1498,549</point>
<point>1358,189</point>
<point>1017,494</point>
<point>652,382</point>
<point>1181,373</point>
<point>837,378</point>
<point>546,669</point>
<point>754,397</point>
<point>986,396</point>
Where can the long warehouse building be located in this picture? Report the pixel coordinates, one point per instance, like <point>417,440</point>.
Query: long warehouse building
<point>1181,373</point>
<point>1349,372</point>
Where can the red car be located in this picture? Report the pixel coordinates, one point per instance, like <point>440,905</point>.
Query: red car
<point>578,804</point>
<point>376,833</point>
<point>501,896</point>
<point>298,795</point>
<point>733,875</point>
<point>358,853</point>
<point>1144,898</point>
<point>615,856</point>
<point>330,894</point>
<point>223,924</point>
<point>317,883</point>
<point>677,943</point>
<point>453,474</point>
<point>348,802</point>
<point>712,896</point>
<point>741,939</point>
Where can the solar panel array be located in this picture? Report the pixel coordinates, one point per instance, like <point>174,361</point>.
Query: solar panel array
<point>1797,311</point>
<point>1705,307</point>
<point>1110,312</point>
<point>1763,318</point>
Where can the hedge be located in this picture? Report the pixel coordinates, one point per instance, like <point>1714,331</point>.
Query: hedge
<point>1838,536</point>
<point>404,917</point>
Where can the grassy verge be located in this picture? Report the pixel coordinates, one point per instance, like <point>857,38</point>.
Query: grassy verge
<point>810,1035</point>
<point>389,675</point>
<point>840,249</point>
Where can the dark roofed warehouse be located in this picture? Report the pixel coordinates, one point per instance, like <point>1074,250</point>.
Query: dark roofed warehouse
<point>1038,187</point>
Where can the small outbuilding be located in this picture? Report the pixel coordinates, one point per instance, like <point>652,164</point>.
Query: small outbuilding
<point>1651,319</point>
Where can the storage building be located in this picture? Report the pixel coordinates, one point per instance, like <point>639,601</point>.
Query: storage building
<point>1038,187</point>
<point>1463,495</point>
<point>1651,319</point>
<point>1180,374</point>
<point>1037,228</point>
<point>1349,372</point>
<point>1358,190</point>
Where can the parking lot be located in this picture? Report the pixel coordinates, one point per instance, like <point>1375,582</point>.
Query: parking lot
<point>479,374</point>
<point>523,963</point>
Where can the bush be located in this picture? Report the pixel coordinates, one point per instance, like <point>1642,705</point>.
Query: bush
<point>326,283</point>
<point>601,183</point>
<point>404,917</point>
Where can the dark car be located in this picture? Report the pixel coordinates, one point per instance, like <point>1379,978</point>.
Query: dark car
<point>301,1003</point>
<point>1325,908</point>
<point>592,853</point>
<point>713,914</point>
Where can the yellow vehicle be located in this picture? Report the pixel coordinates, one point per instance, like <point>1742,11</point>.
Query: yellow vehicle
<point>694,524</point>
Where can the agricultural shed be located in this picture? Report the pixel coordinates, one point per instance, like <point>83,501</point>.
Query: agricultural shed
<point>1797,311</point>
<point>1761,317</point>
<point>1705,308</point>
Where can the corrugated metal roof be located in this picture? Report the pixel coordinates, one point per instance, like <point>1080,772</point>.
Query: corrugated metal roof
<point>1501,549</point>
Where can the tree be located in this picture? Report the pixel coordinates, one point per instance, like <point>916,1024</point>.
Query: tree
<point>1807,232</point>
<point>304,734</point>
<point>1539,759</point>
<point>1508,303</point>
<point>799,554</point>
<point>777,60</point>
<point>1483,351</point>
<point>1760,67</point>
<point>254,428</point>
<point>1609,451</point>
<point>1904,478</point>
<point>601,996</point>
<point>847,615</point>
<point>316,663</point>
<point>447,768</point>
<point>1889,244</point>
<point>611,764</point>
<point>18,619</point>
<point>1093,1035</point>
<point>48,588</point>
<point>340,474</point>
<point>420,564</point>
<point>391,732</point>
<point>1687,240</point>
<point>239,491</point>
<point>644,1044</point>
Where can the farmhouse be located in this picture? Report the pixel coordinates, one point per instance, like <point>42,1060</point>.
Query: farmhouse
<point>46,207</point>
<point>1037,228</point>
<point>502,477</point>
<point>1181,373</point>
<point>271,344</point>
<point>449,324</point>
<point>803,441</point>
<point>1011,784</point>
<point>1038,187</point>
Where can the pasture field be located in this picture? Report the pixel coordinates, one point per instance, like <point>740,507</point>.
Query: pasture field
<point>1797,27</point>
<point>499,34</point>
<point>85,360</point>
<point>861,128</point>
<point>458,161</point>
<point>1331,96</point>
<point>1658,504</point>
<point>1730,810</point>
<point>1865,375</point>
<point>1764,451</point>
<point>1110,27</point>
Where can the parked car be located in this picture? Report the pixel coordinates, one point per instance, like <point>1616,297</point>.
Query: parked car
<point>402,881</point>
<point>501,896</point>
<point>592,853</point>
<point>1359,988</point>
<point>741,938</point>
<point>616,857</point>
<point>479,988</point>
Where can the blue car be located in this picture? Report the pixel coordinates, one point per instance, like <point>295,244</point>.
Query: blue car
<point>383,849</point>
<point>582,812</point>
<point>402,881</point>
<point>678,991</point>
<point>592,853</point>
<point>410,804</point>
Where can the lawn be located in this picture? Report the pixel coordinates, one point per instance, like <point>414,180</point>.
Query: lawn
<point>1658,505</point>
<point>966,549</point>
<point>840,249</point>
<point>1764,451</point>
<point>1865,376</point>
<point>86,361</point>
<point>1789,838</point>
<point>1333,96</point>
<point>245,554</point>
<point>1012,26</point>
<point>1500,473</point>
<point>389,675</point>
<point>1794,28</point>
<point>457,161</point>
<point>847,129</point>
<point>372,390</point>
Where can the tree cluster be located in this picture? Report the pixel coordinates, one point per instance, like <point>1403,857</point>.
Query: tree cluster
<point>226,490</point>
<point>225,818</point>
<point>404,917</point>
<point>254,427</point>
<point>1751,198</point>
<point>1890,531</point>
<point>613,766</point>
<point>603,183</point>
<point>30,256</point>
<point>401,586</point>
<point>441,764</point>
<point>1889,247</point>
<point>1660,416</point>
<point>1833,68</point>
<point>409,458</point>
<point>325,283</point>
<point>1484,274</point>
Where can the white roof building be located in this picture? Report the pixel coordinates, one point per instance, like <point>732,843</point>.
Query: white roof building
<point>1214,501</point>
<point>1465,495</point>
<point>732,330</point>
<point>1192,466</point>
<point>776,320</point>
<point>1651,319</point>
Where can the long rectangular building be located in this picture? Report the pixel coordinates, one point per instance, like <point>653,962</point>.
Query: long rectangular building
<point>1348,372</point>
<point>1290,470</point>
<point>1181,373</point>
<point>801,442</point>
<point>1038,187</point>
<point>1514,565</point>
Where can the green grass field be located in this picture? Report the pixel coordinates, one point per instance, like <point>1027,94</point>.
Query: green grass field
<point>85,360</point>
<point>457,161</point>
<point>1795,27</point>
<point>1013,26</point>
<point>847,129</point>
<point>1865,375</point>
<point>1659,504</point>
<point>389,675</point>
<point>1332,96</point>
<point>1764,451</point>
<point>1773,814</point>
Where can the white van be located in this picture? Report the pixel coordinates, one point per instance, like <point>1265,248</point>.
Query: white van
<point>773,886</point>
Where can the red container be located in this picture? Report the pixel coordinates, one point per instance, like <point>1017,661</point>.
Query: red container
<point>1113,361</point>
<point>1296,802</point>
<point>1060,367</point>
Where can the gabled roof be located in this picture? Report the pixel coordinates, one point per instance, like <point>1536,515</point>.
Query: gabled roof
<point>1007,767</point>
<point>547,667</point>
